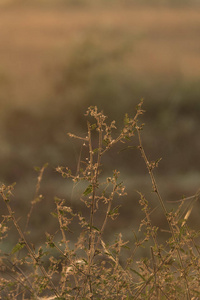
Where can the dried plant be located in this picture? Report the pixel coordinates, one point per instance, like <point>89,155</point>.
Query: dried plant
<point>91,268</point>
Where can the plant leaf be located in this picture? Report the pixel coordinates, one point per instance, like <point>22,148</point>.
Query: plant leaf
<point>138,274</point>
<point>88,190</point>
<point>18,247</point>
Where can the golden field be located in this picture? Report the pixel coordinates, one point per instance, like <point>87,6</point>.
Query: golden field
<point>159,42</point>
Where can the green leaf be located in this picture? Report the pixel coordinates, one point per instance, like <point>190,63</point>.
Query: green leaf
<point>182,250</point>
<point>88,190</point>
<point>126,119</point>
<point>51,244</point>
<point>126,247</point>
<point>138,274</point>
<point>117,185</point>
<point>37,169</point>
<point>95,150</point>
<point>57,200</point>
<point>127,148</point>
<point>55,215</point>
<point>114,211</point>
<point>18,247</point>
<point>95,228</point>
<point>106,142</point>
<point>45,165</point>
<point>93,126</point>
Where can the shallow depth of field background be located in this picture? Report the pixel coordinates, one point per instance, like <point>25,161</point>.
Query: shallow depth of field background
<point>59,57</point>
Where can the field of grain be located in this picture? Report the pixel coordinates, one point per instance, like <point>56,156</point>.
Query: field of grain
<point>152,42</point>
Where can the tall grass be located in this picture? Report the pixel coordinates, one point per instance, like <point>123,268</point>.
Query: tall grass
<point>92,267</point>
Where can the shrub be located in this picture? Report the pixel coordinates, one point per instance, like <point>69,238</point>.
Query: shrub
<point>92,268</point>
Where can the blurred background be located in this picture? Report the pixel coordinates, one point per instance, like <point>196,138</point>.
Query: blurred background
<point>59,57</point>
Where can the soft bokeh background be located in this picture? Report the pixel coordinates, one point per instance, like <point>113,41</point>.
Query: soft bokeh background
<point>59,57</point>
